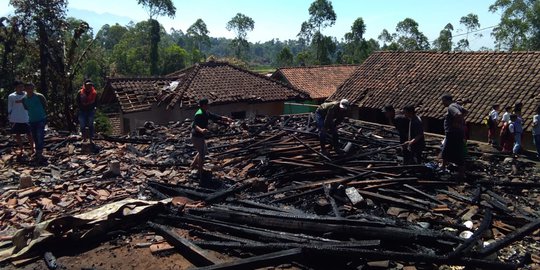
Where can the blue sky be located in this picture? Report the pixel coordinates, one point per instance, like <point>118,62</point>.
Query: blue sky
<point>282,18</point>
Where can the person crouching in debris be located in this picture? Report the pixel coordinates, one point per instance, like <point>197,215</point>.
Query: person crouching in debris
<point>200,129</point>
<point>454,143</point>
<point>86,99</point>
<point>415,143</point>
<point>516,129</point>
<point>328,116</point>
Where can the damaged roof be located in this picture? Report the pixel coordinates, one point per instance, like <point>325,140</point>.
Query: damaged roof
<point>224,83</point>
<point>134,94</point>
<point>319,82</point>
<point>478,79</point>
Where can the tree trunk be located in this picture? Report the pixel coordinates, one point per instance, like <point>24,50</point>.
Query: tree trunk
<point>154,40</point>
<point>43,60</point>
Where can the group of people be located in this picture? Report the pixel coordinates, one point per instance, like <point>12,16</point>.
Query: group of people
<point>27,114</point>
<point>509,128</point>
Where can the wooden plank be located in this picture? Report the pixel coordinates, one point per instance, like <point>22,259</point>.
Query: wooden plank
<point>270,259</point>
<point>190,251</point>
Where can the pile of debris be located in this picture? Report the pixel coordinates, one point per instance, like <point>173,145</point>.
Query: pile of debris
<point>271,196</point>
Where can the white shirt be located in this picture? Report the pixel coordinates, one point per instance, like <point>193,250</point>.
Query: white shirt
<point>536,125</point>
<point>494,115</point>
<point>506,117</point>
<point>16,111</point>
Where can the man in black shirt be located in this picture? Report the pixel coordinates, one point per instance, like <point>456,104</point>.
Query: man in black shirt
<point>454,130</point>
<point>200,129</point>
<point>328,116</point>
<point>401,123</point>
<point>415,143</point>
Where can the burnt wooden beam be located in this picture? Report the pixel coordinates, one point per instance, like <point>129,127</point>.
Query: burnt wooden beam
<point>510,238</point>
<point>255,246</point>
<point>223,194</point>
<point>431,197</point>
<point>392,200</point>
<point>190,251</point>
<point>270,259</point>
<point>407,257</point>
<point>331,199</point>
<point>465,246</point>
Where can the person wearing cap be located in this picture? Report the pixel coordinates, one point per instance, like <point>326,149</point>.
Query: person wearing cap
<point>328,116</point>
<point>86,100</point>
<point>18,117</point>
<point>36,105</point>
<point>199,131</point>
<point>453,149</point>
<point>415,143</point>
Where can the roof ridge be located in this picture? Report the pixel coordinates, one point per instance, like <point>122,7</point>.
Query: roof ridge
<point>320,66</point>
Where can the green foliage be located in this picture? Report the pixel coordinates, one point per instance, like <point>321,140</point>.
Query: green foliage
<point>471,24</point>
<point>240,24</point>
<point>102,123</point>
<point>156,8</point>
<point>321,16</point>
<point>285,57</point>
<point>174,58</point>
<point>519,28</point>
<point>356,48</point>
<point>444,41</point>
<point>198,33</point>
<point>409,36</point>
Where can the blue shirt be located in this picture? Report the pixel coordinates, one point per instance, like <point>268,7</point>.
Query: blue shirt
<point>35,107</point>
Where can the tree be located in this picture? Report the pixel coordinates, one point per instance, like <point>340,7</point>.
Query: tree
<point>199,34</point>
<point>356,48</point>
<point>388,40</point>
<point>519,28</point>
<point>471,24</point>
<point>409,36</point>
<point>285,57</point>
<point>444,41</point>
<point>108,36</point>
<point>322,15</point>
<point>174,58</point>
<point>156,8</point>
<point>240,24</point>
<point>44,19</point>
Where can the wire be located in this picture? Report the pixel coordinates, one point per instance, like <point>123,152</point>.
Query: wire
<point>489,27</point>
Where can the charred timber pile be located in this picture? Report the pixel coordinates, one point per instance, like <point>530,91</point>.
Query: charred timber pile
<point>269,196</point>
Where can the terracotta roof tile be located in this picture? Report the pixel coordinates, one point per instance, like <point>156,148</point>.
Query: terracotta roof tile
<point>136,94</point>
<point>482,78</point>
<point>223,83</point>
<point>318,81</point>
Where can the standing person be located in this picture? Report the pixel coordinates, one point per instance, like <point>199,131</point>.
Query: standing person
<point>329,115</point>
<point>199,130</point>
<point>536,131</point>
<point>415,143</point>
<point>493,123</point>
<point>86,99</point>
<point>18,117</point>
<point>516,129</point>
<point>401,123</point>
<point>36,105</point>
<point>506,115</point>
<point>454,143</point>
<point>507,140</point>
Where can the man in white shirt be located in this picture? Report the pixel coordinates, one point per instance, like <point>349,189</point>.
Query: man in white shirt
<point>18,117</point>
<point>506,115</point>
<point>493,123</point>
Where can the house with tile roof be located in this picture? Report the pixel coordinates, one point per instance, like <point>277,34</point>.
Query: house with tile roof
<point>231,90</point>
<point>319,82</point>
<point>476,79</point>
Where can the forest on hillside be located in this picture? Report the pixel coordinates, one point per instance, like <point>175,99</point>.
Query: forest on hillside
<point>39,43</point>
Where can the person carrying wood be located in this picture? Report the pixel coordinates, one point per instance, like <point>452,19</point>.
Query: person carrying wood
<point>199,131</point>
<point>328,116</point>
<point>87,101</point>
